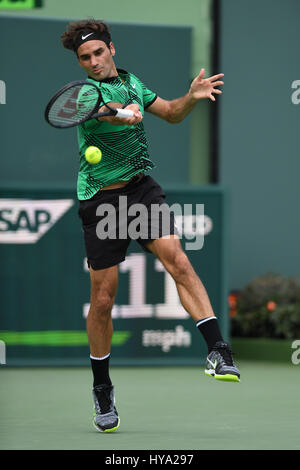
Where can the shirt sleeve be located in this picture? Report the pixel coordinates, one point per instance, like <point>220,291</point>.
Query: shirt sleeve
<point>148,96</point>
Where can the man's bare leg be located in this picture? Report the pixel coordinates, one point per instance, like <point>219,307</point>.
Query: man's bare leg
<point>100,329</point>
<point>99,325</point>
<point>191,291</point>
<point>194,298</point>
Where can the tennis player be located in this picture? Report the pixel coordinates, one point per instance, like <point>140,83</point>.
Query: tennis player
<point>122,172</point>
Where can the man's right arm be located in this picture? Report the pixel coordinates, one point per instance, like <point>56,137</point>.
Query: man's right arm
<point>174,111</point>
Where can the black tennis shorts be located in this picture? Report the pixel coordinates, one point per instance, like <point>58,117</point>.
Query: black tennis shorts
<point>114,217</point>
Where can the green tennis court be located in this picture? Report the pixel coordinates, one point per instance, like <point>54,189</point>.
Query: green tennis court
<point>160,408</point>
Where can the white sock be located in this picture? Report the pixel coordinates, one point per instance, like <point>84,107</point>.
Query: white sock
<point>100,358</point>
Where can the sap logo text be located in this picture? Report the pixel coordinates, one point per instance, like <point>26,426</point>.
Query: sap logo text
<point>2,92</point>
<point>295,96</point>
<point>11,220</point>
<point>26,221</point>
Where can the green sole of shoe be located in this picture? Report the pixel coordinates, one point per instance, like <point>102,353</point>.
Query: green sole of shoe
<point>209,374</point>
<point>113,429</point>
<point>106,430</point>
<point>224,378</point>
<point>227,378</point>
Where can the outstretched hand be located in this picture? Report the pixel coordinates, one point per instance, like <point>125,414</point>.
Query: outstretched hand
<point>205,87</point>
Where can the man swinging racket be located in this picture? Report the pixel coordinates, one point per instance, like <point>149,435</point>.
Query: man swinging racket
<point>121,171</point>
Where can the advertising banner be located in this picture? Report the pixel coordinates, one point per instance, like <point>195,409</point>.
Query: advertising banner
<point>45,283</point>
<point>20,4</point>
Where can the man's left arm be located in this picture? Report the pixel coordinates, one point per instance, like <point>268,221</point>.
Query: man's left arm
<point>175,111</point>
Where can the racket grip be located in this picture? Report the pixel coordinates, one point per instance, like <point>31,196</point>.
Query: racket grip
<point>124,113</point>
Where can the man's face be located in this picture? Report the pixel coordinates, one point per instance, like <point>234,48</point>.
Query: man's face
<point>97,59</point>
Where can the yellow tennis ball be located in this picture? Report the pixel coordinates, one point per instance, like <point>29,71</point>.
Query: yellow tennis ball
<point>93,155</point>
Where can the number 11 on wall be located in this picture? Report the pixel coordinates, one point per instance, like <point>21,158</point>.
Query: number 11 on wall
<point>171,308</point>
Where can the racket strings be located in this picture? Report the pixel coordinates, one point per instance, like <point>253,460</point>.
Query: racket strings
<point>73,105</point>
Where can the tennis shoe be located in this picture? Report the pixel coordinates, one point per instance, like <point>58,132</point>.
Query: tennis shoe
<point>106,417</point>
<point>220,364</point>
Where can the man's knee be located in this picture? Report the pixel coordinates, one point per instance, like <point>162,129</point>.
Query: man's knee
<point>103,290</point>
<point>101,301</point>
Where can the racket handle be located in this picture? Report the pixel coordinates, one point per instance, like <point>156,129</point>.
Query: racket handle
<point>124,113</point>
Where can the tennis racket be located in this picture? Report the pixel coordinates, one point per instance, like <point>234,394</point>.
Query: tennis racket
<point>78,102</point>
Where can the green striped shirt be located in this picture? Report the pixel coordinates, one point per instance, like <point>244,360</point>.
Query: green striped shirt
<point>124,148</point>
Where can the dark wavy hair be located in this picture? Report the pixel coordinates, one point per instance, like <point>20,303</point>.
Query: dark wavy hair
<point>75,28</point>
